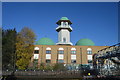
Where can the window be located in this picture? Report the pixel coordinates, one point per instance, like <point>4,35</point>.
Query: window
<point>48,56</point>
<point>36,51</point>
<point>89,51</point>
<point>64,23</point>
<point>60,56</point>
<point>89,61</point>
<point>35,60</point>
<point>73,57</point>
<point>64,39</point>
<point>73,61</point>
<point>89,57</point>
<point>60,61</point>
<point>73,52</point>
<point>36,56</point>
<point>48,51</point>
<point>60,52</point>
<point>48,61</point>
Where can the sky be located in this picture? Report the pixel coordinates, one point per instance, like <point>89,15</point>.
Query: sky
<point>97,21</point>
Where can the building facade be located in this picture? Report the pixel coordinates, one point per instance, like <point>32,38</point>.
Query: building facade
<point>46,51</point>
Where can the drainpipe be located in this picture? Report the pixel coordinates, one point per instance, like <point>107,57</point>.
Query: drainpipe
<point>81,55</point>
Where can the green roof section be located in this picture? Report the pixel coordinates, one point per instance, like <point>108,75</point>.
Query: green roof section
<point>64,18</point>
<point>45,41</point>
<point>85,42</point>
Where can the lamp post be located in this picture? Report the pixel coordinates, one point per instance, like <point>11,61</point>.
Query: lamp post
<point>41,54</point>
<point>57,57</point>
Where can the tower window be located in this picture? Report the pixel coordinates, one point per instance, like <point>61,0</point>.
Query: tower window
<point>64,24</point>
<point>64,39</point>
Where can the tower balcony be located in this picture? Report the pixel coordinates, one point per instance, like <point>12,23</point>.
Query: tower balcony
<point>64,27</point>
<point>63,43</point>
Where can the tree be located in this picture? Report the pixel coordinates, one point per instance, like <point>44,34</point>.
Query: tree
<point>42,66</point>
<point>59,66</point>
<point>24,47</point>
<point>35,64</point>
<point>8,48</point>
<point>49,67</point>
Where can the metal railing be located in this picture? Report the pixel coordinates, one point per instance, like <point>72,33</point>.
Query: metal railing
<point>108,60</point>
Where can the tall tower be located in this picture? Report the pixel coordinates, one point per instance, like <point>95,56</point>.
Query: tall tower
<point>64,30</point>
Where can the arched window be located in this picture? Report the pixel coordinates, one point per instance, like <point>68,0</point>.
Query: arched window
<point>64,23</point>
<point>89,51</point>
<point>60,51</point>
<point>48,50</point>
<point>36,50</point>
<point>64,39</point>
<point>73,50</point>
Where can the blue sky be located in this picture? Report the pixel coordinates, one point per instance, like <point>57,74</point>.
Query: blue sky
<point>97,21</point>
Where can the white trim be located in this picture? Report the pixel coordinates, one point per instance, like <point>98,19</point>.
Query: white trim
<point>61,56</point>
<point>73,57</point>
<point>60,49</point>
<point>36,48</point>
<point>48,48</point>
<point>73,49</point>
<point>48,56</point>
<point>89,49</point>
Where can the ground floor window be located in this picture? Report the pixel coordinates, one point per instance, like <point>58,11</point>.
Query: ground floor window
<point>48,61</point>
<point>89,61</point>
<point>60,61</point>
<point>73,61</point>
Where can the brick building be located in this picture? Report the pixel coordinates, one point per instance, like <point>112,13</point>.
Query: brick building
<point>46,51</point>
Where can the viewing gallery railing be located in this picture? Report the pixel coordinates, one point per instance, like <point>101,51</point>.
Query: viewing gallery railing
<point>107,60</point>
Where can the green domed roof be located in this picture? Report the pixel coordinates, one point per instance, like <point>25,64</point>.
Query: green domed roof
<point>64,18</point>
<point>45,41</point>
<point>85,42</point>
